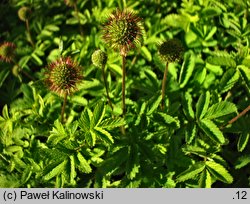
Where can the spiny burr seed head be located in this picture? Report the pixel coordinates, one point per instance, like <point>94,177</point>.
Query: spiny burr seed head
<point>7,51</point>
<point>171,50</point>
<point>123,31</point>
<point>63,75</point>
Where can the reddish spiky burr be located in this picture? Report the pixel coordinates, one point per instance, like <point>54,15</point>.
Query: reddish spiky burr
<point>63,75</point>
<point>122,31</point>
<point>7,51</point>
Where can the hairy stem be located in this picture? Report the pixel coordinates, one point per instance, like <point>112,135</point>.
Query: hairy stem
<point>29,34</point>
<point>123,91</point>
<point>239,115</point>
<point>80,146</point>
<point>27,74</point>
<point>163,88</point>
<point>123,85</point>
<point>106,86</point>
<point>63,107</point>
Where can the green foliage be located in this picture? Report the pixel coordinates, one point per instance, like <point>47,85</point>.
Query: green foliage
<point>219,172</point>
<point>187,69</point>
<point>243,141</point>
<point>93,125</point>
<point>191,172</point>
<point>193,142</point>
<point>202,105</point>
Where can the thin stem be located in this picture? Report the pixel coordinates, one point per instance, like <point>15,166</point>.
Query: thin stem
<point>106,86</point>
<point>64,105</point>
<point>163,88</point>
<point>27,74</point>
<point>78,18</point>
<point>80,146</point>
<point>123,92</point>
<point>238,116</point>
<point>29,34</point>
<point>123,85</point>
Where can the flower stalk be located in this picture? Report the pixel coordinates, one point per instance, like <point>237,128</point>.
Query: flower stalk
<point>123,32</point>
<point>63,107</point>
<point>99,59</point>
<point>106,86</point>
<point>29,33</point>
<point>123,131</point>
<point>62,77</point>
<point>242,113</point>
<point>170,51</point>
<point>24,15</point>
<point>163,88</point>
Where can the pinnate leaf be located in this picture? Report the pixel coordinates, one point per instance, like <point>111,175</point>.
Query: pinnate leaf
<point>168,119</point>
<point>190,133</point>
<point>104,135</point>
<point>228,80</point>
<point>212,131</point>
<point>72,169</point>
<point>205,180</point>
<point>242,161</point>
<point>132,166</point>
<point>98,114</point>
<point>55,170</point>
<point>187,106</point>
<point>153,104</point>
<point>90,137</point>
<point>83,164</point>
<point>84,121</point>
<point>220,109</point>
<point>221,58</point>
<point>243,141</point>
<point>112,123</point>
<point>202,105</point>
<point>57,134</point>
<point>219,172</point>
<point>187,69</point>
<point>191,172</point>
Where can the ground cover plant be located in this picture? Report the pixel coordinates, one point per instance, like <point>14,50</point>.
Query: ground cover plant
<point>116,93</point>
